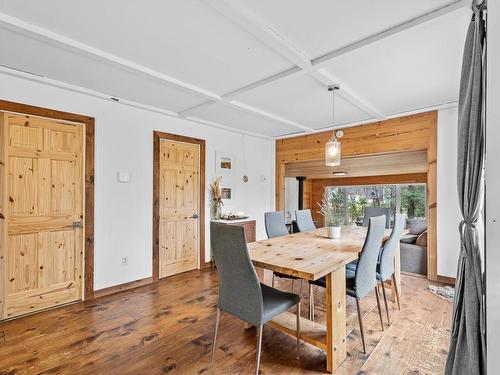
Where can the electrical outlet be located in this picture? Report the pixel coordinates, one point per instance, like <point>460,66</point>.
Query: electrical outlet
<point>124,261</point>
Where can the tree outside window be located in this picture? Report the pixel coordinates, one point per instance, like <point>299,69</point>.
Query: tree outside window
<point>410,200</point>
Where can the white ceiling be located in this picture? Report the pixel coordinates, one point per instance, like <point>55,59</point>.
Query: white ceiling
<point>259,67</point>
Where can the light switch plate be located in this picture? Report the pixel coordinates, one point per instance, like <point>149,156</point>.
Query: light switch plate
<point>123,176</point>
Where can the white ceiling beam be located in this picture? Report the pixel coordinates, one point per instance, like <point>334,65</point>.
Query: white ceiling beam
<point>280,44</point>
<point>265,114</point>
<point>243,17</point>
<point>190,112</point>
<point>262,82</point>
<point>228,128</point>
<point>327,79</point>
<point>96,94</point>
<point>25,28</point>
<point>321,61</point>
<point>255,26</point>
<point>40,33</point>
<point>328,57</point>
<point>415,111</point>
<point>186,112</point>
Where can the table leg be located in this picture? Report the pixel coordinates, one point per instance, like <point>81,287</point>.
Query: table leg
<point>335,319</point>
<point>260,274</point>
<point>397,272</point>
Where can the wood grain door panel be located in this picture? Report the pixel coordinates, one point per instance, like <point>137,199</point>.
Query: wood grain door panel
<point>22,191</point>
<point>22,260</point>
<point>179,201</point>
<point>44,253</point>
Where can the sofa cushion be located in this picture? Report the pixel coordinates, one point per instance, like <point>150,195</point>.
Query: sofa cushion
<point>416,226</point>
<point>422,239</point>
<point>409,238</point>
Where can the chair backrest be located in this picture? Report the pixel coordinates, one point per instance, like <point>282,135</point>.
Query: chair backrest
<point>275,224</point>
<point>389,249</point>
<point>377,211</point>
<point>304,220</point>
<point>240,293</point>
<point>366,270</point>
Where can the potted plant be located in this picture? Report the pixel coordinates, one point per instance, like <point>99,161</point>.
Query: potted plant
<point>216,191</point>
<point>331,208</point>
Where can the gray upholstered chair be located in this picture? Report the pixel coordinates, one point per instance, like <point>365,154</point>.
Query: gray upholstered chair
<point>363,280</point>
<point>275,224</point>
<point>385,269</point>
<point>275,227</point>
<point>385,266</point>
<point>240,292</point>
<point>377,211</point>
<point>304,220</point>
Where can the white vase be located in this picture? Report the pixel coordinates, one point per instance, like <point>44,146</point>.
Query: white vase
<point>333,232</point>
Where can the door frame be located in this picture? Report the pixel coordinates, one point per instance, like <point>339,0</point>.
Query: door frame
<point>157,137</point>
<point>89,124</point>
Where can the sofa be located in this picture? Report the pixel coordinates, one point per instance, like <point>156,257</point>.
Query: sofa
<point>414,247</point>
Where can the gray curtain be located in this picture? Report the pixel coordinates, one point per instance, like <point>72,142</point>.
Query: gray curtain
<point>467,354</point>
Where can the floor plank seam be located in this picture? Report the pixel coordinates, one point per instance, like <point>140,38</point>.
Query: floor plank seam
<point>133,317</point>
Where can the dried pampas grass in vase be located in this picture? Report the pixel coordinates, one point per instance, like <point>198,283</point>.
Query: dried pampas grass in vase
<point>216,191</point>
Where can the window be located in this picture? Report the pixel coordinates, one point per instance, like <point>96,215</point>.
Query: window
<point>410,200</point>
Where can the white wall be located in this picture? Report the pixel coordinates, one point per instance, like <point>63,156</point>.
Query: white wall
<point>493,190</point>
<point>448,210</point>
<point>123,211</point>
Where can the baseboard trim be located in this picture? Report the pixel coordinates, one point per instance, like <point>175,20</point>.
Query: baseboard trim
<point>446,279</point>
<point>122,287</point>
<point>414,274</point>
<point>206,265</point>
<point>134,284</point>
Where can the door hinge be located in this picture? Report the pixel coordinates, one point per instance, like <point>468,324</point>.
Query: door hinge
<point>195,216</point>
<point>77,224</point>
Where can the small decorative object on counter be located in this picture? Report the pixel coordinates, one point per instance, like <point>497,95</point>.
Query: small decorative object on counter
<point>331,208</point>
<point>234,216</point>
<point>216,191</point>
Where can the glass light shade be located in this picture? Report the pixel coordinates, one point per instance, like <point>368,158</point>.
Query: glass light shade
<point>332,153</point>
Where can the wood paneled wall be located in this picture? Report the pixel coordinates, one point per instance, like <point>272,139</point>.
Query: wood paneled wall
<point>307,195</point>
<point>408,133</point>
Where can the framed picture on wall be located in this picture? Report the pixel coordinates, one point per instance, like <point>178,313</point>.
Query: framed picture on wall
<point>226,193</point>
<point>224,163</point>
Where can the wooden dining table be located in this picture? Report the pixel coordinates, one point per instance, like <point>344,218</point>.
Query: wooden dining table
<point>310,256</point>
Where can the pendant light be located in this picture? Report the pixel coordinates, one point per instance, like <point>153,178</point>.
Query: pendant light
<point>332,147</point>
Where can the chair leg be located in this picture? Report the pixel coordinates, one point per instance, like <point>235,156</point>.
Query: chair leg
<point>311,303</point>
<point>385,303</point>
<point>272,283</point>
<point>396,290</point>
<point>259,345</point>
<point>301,286</point>
<point>361,326</point>
<point>293,285</point>
<point>298,330</point>
<point>215,333</point>
<point>379,308</point>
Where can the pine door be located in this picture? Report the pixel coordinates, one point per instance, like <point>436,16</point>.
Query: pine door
<point>179,201</point>
<point>44,206</point>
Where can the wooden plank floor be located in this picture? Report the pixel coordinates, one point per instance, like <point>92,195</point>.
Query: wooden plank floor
<point>168,327</point>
